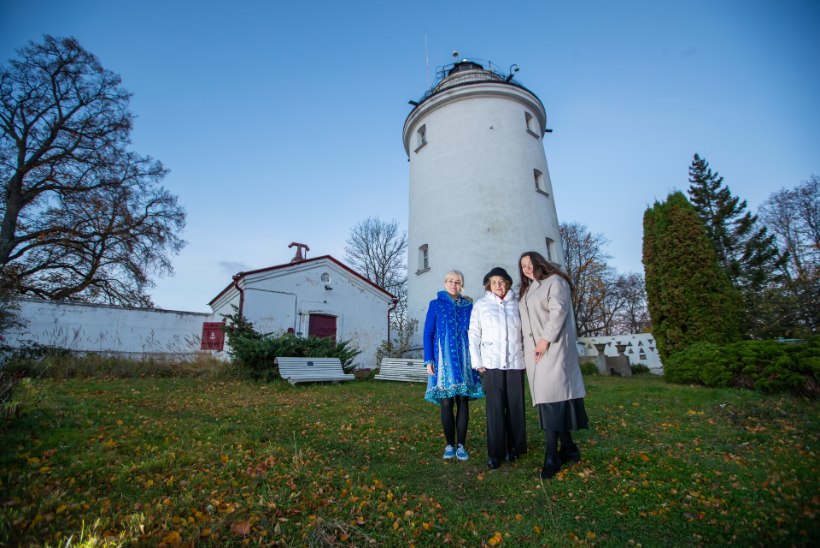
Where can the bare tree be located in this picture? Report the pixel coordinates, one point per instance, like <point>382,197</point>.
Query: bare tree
<point>83,218</point>
<point>590,277</point>
<point>630,315</point>
<point>604,302</point>
<point>378,251</point>
<point>793,216</point>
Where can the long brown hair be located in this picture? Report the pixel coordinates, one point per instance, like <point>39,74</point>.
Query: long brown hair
<point>541,269</point>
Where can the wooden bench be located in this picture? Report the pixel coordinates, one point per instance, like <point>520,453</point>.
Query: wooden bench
<point>296,370</point>
<point>402,369</point>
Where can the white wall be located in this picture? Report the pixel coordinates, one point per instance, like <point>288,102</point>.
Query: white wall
<point>132,332</point>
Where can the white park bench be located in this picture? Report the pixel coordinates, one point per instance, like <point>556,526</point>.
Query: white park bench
<point>296,370</point>
<point>402,369</point>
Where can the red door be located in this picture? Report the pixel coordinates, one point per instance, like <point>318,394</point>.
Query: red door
<point>322,325</point>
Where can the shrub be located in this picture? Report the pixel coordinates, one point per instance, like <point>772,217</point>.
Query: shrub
<point>254,352</point>
<point>256,356</point>
<point>766,366</point>
<point>589,368</point>
<point>640,369</point>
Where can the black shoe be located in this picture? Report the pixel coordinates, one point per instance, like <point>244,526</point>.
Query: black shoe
<point>493,463</point>
<point>511,456</point>
<point>568,455</point>
<point>552,464</point>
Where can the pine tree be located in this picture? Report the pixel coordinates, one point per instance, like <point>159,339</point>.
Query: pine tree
<point>745,250</point>
<point>690,297</point>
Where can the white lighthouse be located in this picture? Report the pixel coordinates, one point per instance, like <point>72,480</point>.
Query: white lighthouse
<point>480,190</point>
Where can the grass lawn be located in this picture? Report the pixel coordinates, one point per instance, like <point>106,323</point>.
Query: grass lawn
<point>204,462</point>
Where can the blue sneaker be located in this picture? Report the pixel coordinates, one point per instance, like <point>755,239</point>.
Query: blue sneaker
<point>461,453</point>
<point>449,452</point>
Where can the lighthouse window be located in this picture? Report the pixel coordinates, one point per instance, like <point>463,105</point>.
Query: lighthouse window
<point>539,182</point>
<point>424,259</point>
<point>550,243</point>
<point>421,137</point>
<point>530,124</point>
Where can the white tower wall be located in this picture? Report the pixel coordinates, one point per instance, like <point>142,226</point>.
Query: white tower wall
<point>474,150</point>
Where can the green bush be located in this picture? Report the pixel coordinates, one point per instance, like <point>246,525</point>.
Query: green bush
<point>766,366</point>
<point>256,356</point>
<point>589,368</point>
<point>640,369</point>
<point>254,352</point>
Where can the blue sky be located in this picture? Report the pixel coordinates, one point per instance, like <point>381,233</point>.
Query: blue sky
<point>282,121</point>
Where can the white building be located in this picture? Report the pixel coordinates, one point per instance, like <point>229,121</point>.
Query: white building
<point>318,296</point>
<point>480,190</point>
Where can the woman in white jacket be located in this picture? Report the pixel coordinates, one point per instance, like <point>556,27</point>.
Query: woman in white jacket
<point>497,353</point>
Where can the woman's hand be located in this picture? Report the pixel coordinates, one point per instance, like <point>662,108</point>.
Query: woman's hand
<point>482,370</point>
<point>541,349</point>
<point>430,369</point>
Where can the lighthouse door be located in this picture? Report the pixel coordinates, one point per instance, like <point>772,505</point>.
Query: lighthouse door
<point>322,325</point>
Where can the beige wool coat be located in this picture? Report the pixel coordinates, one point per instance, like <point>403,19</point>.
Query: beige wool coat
<point>546,313</point>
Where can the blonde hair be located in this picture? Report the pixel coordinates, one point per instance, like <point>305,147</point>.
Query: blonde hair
<point>457,273</point>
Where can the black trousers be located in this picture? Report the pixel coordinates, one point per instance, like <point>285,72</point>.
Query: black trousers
<point>506,428</point>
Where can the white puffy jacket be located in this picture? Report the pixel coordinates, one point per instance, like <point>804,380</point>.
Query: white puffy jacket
<point>495,333</point>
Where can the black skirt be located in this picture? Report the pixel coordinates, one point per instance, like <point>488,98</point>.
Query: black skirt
<point>562,416</point>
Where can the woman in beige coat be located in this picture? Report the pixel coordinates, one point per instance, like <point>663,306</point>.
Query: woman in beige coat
<point>551,358</point>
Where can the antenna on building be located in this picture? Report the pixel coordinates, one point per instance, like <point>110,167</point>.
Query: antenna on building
<point>426,62</point>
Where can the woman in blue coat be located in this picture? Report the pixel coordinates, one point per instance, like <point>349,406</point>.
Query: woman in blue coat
<point>452,382</point>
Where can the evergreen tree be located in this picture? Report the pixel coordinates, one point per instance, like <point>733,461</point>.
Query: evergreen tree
<point>690,297</point>
<point>745,250</point>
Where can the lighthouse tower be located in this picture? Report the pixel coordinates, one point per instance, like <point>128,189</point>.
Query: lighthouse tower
<point>480,190</point>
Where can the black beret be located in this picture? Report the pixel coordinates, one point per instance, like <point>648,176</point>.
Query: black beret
<point>497,271</point>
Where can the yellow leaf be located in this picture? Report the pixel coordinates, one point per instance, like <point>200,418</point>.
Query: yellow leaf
<point>172,538</point>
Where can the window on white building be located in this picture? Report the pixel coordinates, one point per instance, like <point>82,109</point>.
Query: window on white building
<point>550,243</point>
<point>421,137</point>
<point>539,182</point>
<point>424,259</point>
<point>529,121</point>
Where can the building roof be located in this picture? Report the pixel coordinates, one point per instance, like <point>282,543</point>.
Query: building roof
<point>285,266</point>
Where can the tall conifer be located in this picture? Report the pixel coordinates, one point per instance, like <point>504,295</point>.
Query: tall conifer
<point>690,297</point>
<point>745,250</point>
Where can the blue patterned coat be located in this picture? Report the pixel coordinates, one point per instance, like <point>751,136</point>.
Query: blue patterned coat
<point>447,347</point>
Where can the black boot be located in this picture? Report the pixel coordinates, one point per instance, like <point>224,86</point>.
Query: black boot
<point>569,454</point>
<point>552,464</point>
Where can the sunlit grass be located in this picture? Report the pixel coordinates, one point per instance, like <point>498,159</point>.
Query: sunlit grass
<point>205,462</point>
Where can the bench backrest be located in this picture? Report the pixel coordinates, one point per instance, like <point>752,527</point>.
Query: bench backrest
<point>297,370</point>
<point>402,369</point>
